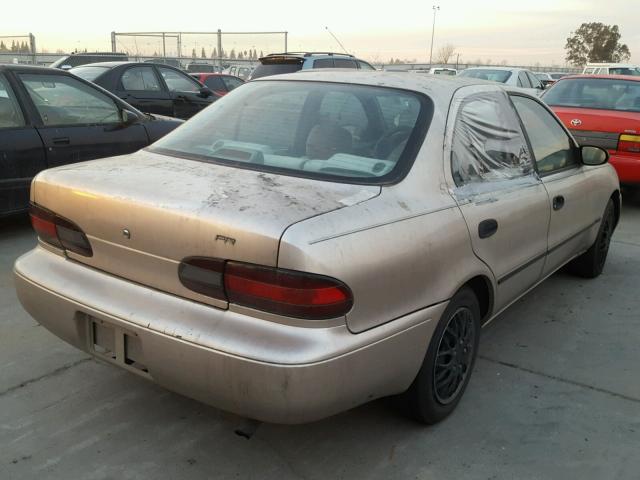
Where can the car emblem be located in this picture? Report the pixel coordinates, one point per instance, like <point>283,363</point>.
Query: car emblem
<point>576,122</point>
<point>126,234</point>
<point>225,239</point>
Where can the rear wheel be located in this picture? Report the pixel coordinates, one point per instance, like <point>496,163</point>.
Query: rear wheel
<point>591,263</point>
<point>449,361</point>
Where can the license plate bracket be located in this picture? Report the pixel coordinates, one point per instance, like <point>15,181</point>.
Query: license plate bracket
<point>117,345</point>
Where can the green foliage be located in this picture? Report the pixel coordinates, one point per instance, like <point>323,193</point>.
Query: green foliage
<point>596,42</point>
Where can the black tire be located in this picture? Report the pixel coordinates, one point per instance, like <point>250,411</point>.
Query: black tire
<point>430,398</point>
<point>591,263</point>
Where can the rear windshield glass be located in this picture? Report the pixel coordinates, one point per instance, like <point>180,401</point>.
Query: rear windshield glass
<point>596,93</point>
<point>347,133</point>
<point>89,73</point>
<point>268,69</point>
<point>488,74</point>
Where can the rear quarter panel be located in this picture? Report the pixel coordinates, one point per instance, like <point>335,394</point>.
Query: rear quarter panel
<point>400,252</point>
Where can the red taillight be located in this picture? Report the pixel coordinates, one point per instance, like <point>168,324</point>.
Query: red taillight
<point>58,231</point>
<point>274,290</point>
<point>629,143</point>
<point>286,292</point>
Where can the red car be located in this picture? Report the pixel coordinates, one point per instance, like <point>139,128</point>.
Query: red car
<point>218,83</point>
<point>603,110</point>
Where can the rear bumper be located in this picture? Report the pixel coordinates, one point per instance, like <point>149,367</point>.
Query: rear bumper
<point>627,167</point>
<point>255,368</point>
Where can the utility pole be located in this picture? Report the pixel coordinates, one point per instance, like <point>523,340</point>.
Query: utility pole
<point>433,31</point>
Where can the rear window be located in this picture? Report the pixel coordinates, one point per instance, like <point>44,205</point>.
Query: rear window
<point>276,67</point>
<point>346,133</point>
<point>500,76</point>
<point>634,71</point>
<point>89,73</point>
<point>595,93</point>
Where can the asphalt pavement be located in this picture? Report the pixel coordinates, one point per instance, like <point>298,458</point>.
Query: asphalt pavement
<point>555,394</point>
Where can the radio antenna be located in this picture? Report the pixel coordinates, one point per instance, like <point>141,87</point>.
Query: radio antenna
<point>336,39</point>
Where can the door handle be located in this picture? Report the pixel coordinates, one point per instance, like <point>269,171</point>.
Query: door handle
<point>487,228</point>
<point>558,202</point>
<point>61,141</point>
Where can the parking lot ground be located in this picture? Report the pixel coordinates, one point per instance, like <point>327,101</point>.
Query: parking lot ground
<point>555,394</point>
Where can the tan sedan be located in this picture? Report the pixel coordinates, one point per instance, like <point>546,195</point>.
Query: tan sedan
<point>313,241</point>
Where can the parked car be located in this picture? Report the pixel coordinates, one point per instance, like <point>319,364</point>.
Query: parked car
<point>603,110</point>
<point>515,77</point>
<point>278,63</point>
<point>239,71</point>
<point>546,79</point>
<point>435,71</point>
<point>50,118</point>
<point>201,67</point>
<point>218,83</point>
<point>151,88</point>
<point>308,245</point>
<point>76,59</point>
<point>611,69</point>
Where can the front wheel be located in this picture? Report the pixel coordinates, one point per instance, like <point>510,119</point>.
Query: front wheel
<point>591,263</point>
<point>449,361</point>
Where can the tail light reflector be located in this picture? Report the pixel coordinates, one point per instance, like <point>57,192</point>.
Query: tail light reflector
<point>282,292</point>
<point>629,143</point>
<point>58,231</point>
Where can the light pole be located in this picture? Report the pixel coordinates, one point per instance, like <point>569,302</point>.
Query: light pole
<point>433,31</point>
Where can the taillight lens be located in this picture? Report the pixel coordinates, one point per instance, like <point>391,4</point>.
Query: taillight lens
<point>58,231</point>
<point>629,143</point>
<point>286,292</point>
<point>274,290</point>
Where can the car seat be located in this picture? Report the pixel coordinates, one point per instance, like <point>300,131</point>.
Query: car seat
<point>325,140</point>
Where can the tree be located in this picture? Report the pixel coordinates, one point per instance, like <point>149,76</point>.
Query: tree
<point>595,42</point>
<point>3,47</point>
<point>203,54</point>
<point>193,53</point>
<point>232,55</point>
<point>214,54</point>
<point>240,56</point>
<point>445,53</point>
<point>261,54</point>
<point>255,54</point>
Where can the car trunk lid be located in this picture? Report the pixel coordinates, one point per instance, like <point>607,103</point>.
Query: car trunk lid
<point>144,213</point>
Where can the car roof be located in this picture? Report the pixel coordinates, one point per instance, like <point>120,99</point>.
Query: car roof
<point>489,67</point>
<point>28,68</point>
<point>633,78</point>
<point>434,85</point>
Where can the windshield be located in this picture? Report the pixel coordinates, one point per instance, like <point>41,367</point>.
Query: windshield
<point>500,76</point>
<point>595,93</point>
<point>349,133</point>
<point>89,73</point>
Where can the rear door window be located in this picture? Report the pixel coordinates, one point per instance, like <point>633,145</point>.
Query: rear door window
<point>365,65</point>
<point>488,143</point>
<point>275,68</point>
<point>323,63</point>
<point>140,79</point>
<point>215,83</point>
<point>523,80</point>
<point>10,113</point>
<point>344,63</point>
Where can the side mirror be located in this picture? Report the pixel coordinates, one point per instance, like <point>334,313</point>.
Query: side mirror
<point>593,155</point>
<point>128,117</point>
<point>205,92</point>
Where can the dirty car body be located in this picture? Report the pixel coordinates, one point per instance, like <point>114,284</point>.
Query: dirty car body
<point>312,242</point>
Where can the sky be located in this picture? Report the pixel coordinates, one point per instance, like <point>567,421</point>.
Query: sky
<point>524,33</point>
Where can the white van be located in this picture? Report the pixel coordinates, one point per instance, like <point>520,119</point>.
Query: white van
<point>611,69</point>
